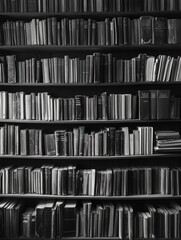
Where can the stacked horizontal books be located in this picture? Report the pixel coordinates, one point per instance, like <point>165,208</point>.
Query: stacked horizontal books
<point>74,32</point>
<point>94,68</point>
<point>63,181</point>
<point>167,141</point>
<point>106,142</point>
<point>52,220</point>
<point>88,6</point>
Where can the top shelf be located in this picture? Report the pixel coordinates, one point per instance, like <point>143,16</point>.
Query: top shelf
<point>97,15</point>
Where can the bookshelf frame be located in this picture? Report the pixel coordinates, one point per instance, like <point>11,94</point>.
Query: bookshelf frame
<point>90,49</point>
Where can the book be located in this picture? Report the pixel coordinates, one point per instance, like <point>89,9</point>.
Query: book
<point>11,68</point>
<point>39,219</point>
<point>160,31</point>
<point>163,99</point>
<point>47,215</point>
<point>153,104</point>
<point>59,143</point>
<point>146,30</point>
<point>144,104</point>
<point>69,220</point>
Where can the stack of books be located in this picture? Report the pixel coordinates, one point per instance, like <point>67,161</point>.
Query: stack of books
<point>167,141</point>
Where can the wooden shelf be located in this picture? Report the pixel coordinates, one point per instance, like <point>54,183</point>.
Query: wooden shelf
<point>96,15</point>
<point>92,158</point>
<point>85,48</point>
<point>87,122</point>
<point>75,238</point>
<point>82,85</point>
<point>102,198</point>
<point>89,238</point>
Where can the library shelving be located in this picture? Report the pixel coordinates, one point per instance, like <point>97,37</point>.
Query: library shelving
<point>132,161</point>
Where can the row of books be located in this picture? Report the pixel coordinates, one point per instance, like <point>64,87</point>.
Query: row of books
<point>95,68</point>
<point>88,6</point>
<point>42,106</point>
<point>148,223</point>
<point>74,32</point>
<point>106,142</point>
<point>49,220</point>
<point>53,180</point>
<point>152,105</point>
<point>167,141</point>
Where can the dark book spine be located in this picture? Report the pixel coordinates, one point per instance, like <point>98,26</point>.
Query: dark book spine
<point>31,141</point>
<point>112,142</point>
<point>59,143</point>
<point>153,104</point>
<point>144,104</point>
<point>117,142</point>
<point>78,108</point>
<point>69,221</point>
<point>163,104</point>
<point>47,222</point>
<point>160,31</point>
<point>39,230</point>
<point>146,30</point>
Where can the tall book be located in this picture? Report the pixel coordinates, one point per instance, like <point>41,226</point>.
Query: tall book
<point>59,142</point>
<point>146,29</point>
<point>11,68</point>
<point>39,219</point>
<point>144,104</point>
<point>160,31</point>
<point>69,220</point>
<point>163,104</point>
<point>153,104</point>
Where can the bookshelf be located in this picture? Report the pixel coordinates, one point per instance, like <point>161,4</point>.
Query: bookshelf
<point>170,160</point>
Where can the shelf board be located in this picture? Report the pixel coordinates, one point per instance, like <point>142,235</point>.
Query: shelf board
<point>89,84</point>
<point>88,122</point>
<point>89,238</point>
<point>85,48</point>
<point>102,198</point>
<point>91,158</point>
<point>96,15</point>
<point>78,238</point>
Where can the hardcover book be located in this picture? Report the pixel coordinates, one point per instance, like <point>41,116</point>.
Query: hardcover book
<point>146,30</point>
